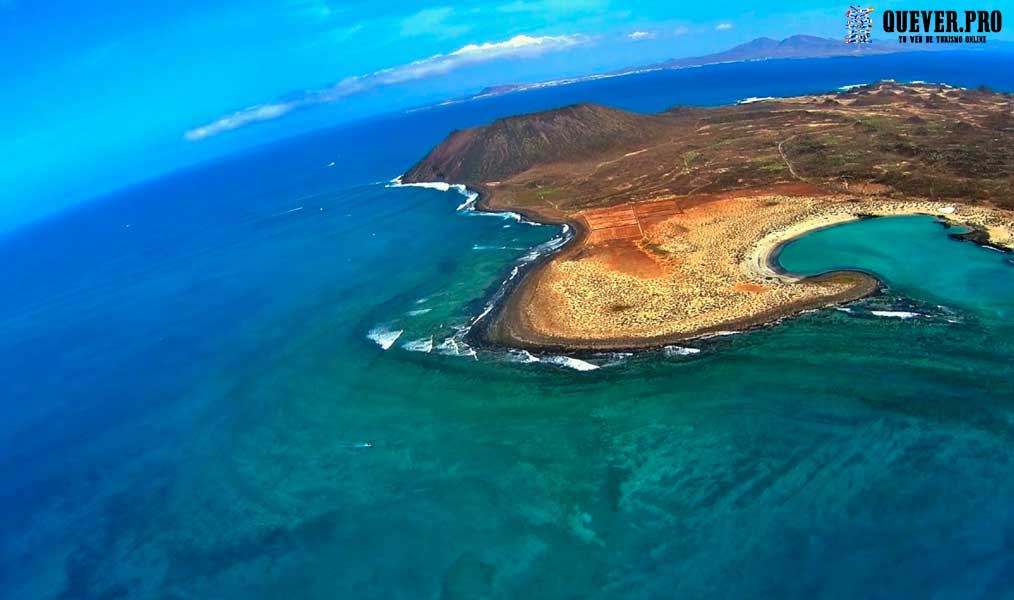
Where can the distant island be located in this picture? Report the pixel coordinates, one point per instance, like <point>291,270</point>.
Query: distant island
<point>678,214</point>
<point>796,46</point>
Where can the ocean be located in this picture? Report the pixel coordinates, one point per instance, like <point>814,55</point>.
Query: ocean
<point>247,380</point>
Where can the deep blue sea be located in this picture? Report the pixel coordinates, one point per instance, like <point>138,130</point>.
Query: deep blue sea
<point>196,400</point>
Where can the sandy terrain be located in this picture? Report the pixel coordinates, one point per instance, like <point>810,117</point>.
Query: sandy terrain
<point>699,270</point>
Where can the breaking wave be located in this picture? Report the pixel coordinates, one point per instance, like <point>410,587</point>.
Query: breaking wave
<point>482,247</point>
<point>895,314</point>
<point>522,356</point>
<point>455,345</point>
<point>468,206</point>
<point>679,351</point>
<point>715,334</point>
<point>533,255</point>
<point>571,363</point>
<point>420,345</point>
<point>384,337</point>
<point>441,186</point>
<point>567,362</point>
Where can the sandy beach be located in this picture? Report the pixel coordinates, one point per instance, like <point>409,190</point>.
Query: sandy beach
<point>997,225</point>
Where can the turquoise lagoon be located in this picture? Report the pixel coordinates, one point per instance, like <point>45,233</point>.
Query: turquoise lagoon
<point>913,256</point>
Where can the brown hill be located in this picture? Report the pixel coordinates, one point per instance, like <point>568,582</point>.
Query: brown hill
<point>918,140</point>
<point>510,146</point>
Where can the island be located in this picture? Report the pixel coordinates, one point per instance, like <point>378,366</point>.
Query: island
<point>762,48</point>
<point>678,215</point>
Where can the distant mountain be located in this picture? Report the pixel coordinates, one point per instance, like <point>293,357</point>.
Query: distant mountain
<point>512,145</point>
<point>796,46</point>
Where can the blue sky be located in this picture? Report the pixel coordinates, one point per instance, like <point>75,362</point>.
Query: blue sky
<point>98,95</point>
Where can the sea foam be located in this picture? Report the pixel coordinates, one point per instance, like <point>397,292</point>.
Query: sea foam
<point>895,314</point>
<point>522,356</point>
<point>441,186</point>
<point>384,337</point>
<point>456,346</point>
<point>723,333</point>
<point>420,345</point>
<point>468,206</point>
<point>571,363</point>
<point>679,351</point>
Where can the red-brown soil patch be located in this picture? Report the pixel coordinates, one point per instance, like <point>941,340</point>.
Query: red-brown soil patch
<point>747,286</point>
<point>628,221</point>
<point>623,256</point>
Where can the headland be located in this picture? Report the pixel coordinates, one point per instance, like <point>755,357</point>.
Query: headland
<point>678,215</point>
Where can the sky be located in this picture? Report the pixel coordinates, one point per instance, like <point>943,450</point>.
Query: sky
<point>100,95</point>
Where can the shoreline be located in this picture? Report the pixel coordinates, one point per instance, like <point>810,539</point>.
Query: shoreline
<point>678,218</point>
<point>506,325</point>
<point>484,331</point>
<point>496,334</point>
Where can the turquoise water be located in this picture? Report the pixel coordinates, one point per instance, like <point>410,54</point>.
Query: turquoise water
<point>915,255</point>
<point>193,406</point>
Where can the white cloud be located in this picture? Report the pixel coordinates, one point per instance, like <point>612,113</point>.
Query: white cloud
<point>681,30</point>
<point>261,112</point>
<point>641,35</point>
<point>519,46</point>
<point>723,27</point>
